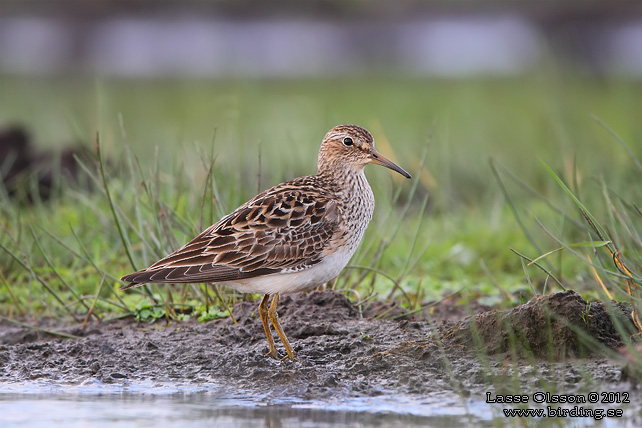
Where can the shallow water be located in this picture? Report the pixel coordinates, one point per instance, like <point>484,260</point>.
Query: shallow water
<point>146,404</point>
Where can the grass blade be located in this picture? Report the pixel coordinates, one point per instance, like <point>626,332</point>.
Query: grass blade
<point>593,244</point>
<point>626,148</point>
<point>42,330</point>
<point>123,238</point>
<point>541,267</point>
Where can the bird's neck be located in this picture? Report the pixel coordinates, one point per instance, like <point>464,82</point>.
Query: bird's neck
<point>349,180</point>
<point>355,200</point>
<point>342,174</point>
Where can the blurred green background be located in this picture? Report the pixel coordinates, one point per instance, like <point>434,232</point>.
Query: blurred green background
<point>162,124</point>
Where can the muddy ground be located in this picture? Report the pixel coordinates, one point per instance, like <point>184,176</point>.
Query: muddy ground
<point>340,353</point>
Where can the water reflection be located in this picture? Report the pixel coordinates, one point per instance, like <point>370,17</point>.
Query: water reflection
<point>148,404</point>
<point>152,404</point>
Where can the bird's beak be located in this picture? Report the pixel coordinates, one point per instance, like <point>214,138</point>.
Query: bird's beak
<point>377,158</point>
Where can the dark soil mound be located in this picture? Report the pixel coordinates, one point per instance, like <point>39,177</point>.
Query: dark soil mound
<point>554,326</point>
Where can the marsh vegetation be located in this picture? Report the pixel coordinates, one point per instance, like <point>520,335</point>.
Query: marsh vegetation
<point>521,187</point>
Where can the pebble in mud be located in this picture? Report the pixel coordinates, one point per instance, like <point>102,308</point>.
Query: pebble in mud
<point>118,376</point>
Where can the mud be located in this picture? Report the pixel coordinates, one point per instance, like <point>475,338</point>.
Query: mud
<point>555,326</point>
<point>340,354</point>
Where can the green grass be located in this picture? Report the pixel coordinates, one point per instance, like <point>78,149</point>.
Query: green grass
<point>474,148</point>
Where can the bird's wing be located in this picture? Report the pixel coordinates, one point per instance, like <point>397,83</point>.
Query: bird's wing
<point>284,229</point>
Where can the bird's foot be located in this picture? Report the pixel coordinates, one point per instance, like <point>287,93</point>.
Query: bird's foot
<point>291,357</point>
<point>273,353</point>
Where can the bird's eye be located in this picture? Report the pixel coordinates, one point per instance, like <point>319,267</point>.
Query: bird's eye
<point>347,141</point>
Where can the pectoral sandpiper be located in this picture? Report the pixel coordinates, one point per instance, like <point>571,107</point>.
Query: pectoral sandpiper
<point>293,237</point>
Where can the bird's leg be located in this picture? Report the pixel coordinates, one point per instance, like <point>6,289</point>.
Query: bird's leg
<point>263,312</point>
<point>275,322</point>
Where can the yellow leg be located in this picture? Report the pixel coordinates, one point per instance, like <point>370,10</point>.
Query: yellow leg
<point>263,312</point>
<point>275,322</point>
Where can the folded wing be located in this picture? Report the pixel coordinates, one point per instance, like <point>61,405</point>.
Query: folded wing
<point>284,229</point>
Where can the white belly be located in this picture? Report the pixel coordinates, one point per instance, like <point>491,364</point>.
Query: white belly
<point>307,279</point>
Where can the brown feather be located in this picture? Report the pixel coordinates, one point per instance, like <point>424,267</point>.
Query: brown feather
<point>266,235</point>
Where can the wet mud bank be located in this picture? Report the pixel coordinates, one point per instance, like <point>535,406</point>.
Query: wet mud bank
<point>340,353</point>
<point>554,326</point>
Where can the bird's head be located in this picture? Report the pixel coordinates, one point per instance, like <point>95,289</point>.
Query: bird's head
<point>351,146</point>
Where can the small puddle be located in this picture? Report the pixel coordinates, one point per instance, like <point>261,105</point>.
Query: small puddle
<point>95,404</point>
<point>146,404</point>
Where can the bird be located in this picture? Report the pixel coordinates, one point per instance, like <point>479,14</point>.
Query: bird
<point>293,237</point>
